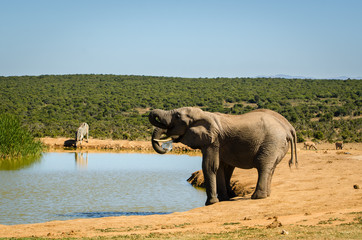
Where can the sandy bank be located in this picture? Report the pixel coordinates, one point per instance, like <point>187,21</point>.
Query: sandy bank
<point>108,144</point>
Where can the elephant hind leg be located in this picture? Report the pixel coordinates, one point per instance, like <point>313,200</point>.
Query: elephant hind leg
<point>266,165</point>
<point>265,174</point>
<point>228,173</point>
<point>269,181</point>
<point>279,159</point>
<point>261,190</point>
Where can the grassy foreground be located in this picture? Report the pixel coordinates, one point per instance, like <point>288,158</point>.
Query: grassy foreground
<point>333,228</point>
<point>321,231</point>
<point>324,230</point>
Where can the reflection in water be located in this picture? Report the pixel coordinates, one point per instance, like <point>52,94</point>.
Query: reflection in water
<point>18,163</point>
<point>80,161</point>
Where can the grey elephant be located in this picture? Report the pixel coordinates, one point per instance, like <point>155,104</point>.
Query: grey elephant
<point>82,131</point>
<point>258,139</point>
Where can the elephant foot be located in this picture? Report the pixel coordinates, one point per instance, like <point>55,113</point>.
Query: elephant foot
<point>211,201</point>
<point>223,198</point>
<point>259,195</point>
<point>232,194</point>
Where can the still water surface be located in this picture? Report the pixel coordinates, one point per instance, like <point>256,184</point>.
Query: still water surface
<point>64,186</point>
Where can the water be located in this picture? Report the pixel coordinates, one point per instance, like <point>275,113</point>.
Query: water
<point>64,186</point>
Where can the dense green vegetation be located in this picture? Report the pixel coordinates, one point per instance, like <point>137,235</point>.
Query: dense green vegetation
<point>116,106</point>
<point>17,146</point>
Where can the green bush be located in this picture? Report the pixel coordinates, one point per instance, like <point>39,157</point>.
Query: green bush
<point>318,135</point>
<point>16,141</point>
<point>300,137</point>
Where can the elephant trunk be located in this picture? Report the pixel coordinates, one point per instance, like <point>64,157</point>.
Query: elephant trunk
<point>157,133</point>
<point>160,118</point>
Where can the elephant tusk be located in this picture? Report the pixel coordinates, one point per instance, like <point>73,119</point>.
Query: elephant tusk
<point>163,140</point>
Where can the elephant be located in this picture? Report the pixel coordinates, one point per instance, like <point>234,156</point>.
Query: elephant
<point>339,145</point>
<point>309,145</point>
<point>82,131</point>
<point>259,139</point>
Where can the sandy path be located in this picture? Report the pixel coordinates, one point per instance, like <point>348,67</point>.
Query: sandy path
<point>322,188</point>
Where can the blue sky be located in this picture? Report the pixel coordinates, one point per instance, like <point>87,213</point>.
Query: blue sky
<point>189,38</point>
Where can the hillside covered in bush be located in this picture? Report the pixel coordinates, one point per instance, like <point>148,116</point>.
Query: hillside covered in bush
<point>116,106</point>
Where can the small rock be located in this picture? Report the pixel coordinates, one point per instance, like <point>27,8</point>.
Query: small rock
<point>284,232</point>
<point>356,186</point>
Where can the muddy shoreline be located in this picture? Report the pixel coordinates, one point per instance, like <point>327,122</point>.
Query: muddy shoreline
<point>61,143</point>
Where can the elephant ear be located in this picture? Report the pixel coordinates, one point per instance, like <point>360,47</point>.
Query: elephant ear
<point>202,132</point>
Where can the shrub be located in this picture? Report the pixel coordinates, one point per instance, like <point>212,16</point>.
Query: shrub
<point>16,141</point>
<point>300,137</point>
<point>318,135</point>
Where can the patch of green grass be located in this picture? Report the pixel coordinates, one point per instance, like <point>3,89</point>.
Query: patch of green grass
<point>109,230</point>
<point>231,223</point>
<point>124,229</point>
<point>330,221</point>
<point>182,225</point>
<point>18,147</point>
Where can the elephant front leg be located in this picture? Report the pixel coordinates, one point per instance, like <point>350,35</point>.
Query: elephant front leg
<point>210,165</point>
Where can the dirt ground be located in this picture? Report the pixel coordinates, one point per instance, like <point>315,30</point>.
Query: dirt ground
<point>326,186</point>
<point>55,144</point>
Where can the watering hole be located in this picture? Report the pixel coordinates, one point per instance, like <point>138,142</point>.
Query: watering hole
<point>69,185</point>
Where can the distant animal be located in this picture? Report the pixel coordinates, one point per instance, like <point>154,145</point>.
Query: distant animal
<point>339,145</point>
<point>258,139</point>
<point>309,145</point>
<point>81,133</point>
<point>70,143</point>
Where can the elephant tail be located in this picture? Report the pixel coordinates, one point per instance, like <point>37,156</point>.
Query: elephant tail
<point>293,145</point>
